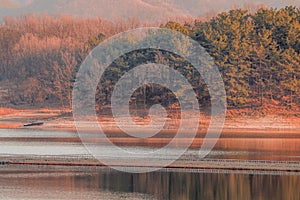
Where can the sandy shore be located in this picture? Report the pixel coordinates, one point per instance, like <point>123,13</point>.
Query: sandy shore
<point>271,133</point>
<point>56,120</point>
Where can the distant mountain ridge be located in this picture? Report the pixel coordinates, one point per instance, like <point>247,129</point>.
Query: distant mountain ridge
<point>144,10</point>
<point>8,4</point>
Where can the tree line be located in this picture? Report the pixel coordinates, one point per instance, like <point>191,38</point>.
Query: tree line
<point>257,55</point>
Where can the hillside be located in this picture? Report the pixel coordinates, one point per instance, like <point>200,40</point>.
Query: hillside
<point>7,4</point>
<point>147,11</point>
<point>257,55</point>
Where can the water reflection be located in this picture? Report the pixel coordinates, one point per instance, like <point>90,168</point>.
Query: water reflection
<point>108,184</point>
<point>63,143</point>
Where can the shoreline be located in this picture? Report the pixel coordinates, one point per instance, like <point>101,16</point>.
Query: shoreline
<point>270,133</point>
<point>56,120</point>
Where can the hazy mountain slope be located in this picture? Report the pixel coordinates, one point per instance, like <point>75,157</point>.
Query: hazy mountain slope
<point>145,10</point>
<point>8,4</point>
<point>108,9</point>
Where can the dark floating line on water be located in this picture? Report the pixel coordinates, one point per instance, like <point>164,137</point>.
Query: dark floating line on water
<point>257,170</point>
<point>168,169</point>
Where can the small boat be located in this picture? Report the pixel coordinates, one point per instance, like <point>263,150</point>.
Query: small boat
<point>34,124</point>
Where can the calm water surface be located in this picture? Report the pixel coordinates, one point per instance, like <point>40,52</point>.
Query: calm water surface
<point>108,184</point>
<point>96,183</point>
<point>28,142</point>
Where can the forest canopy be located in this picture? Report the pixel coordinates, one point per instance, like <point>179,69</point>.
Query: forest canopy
<point>257,55</point>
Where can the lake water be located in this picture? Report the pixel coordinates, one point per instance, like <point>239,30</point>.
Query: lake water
<point>103,183</point>
<point>108,184</point>
<point>35,142</point>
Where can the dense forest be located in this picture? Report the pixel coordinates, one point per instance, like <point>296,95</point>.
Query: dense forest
<point>257,55</point>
